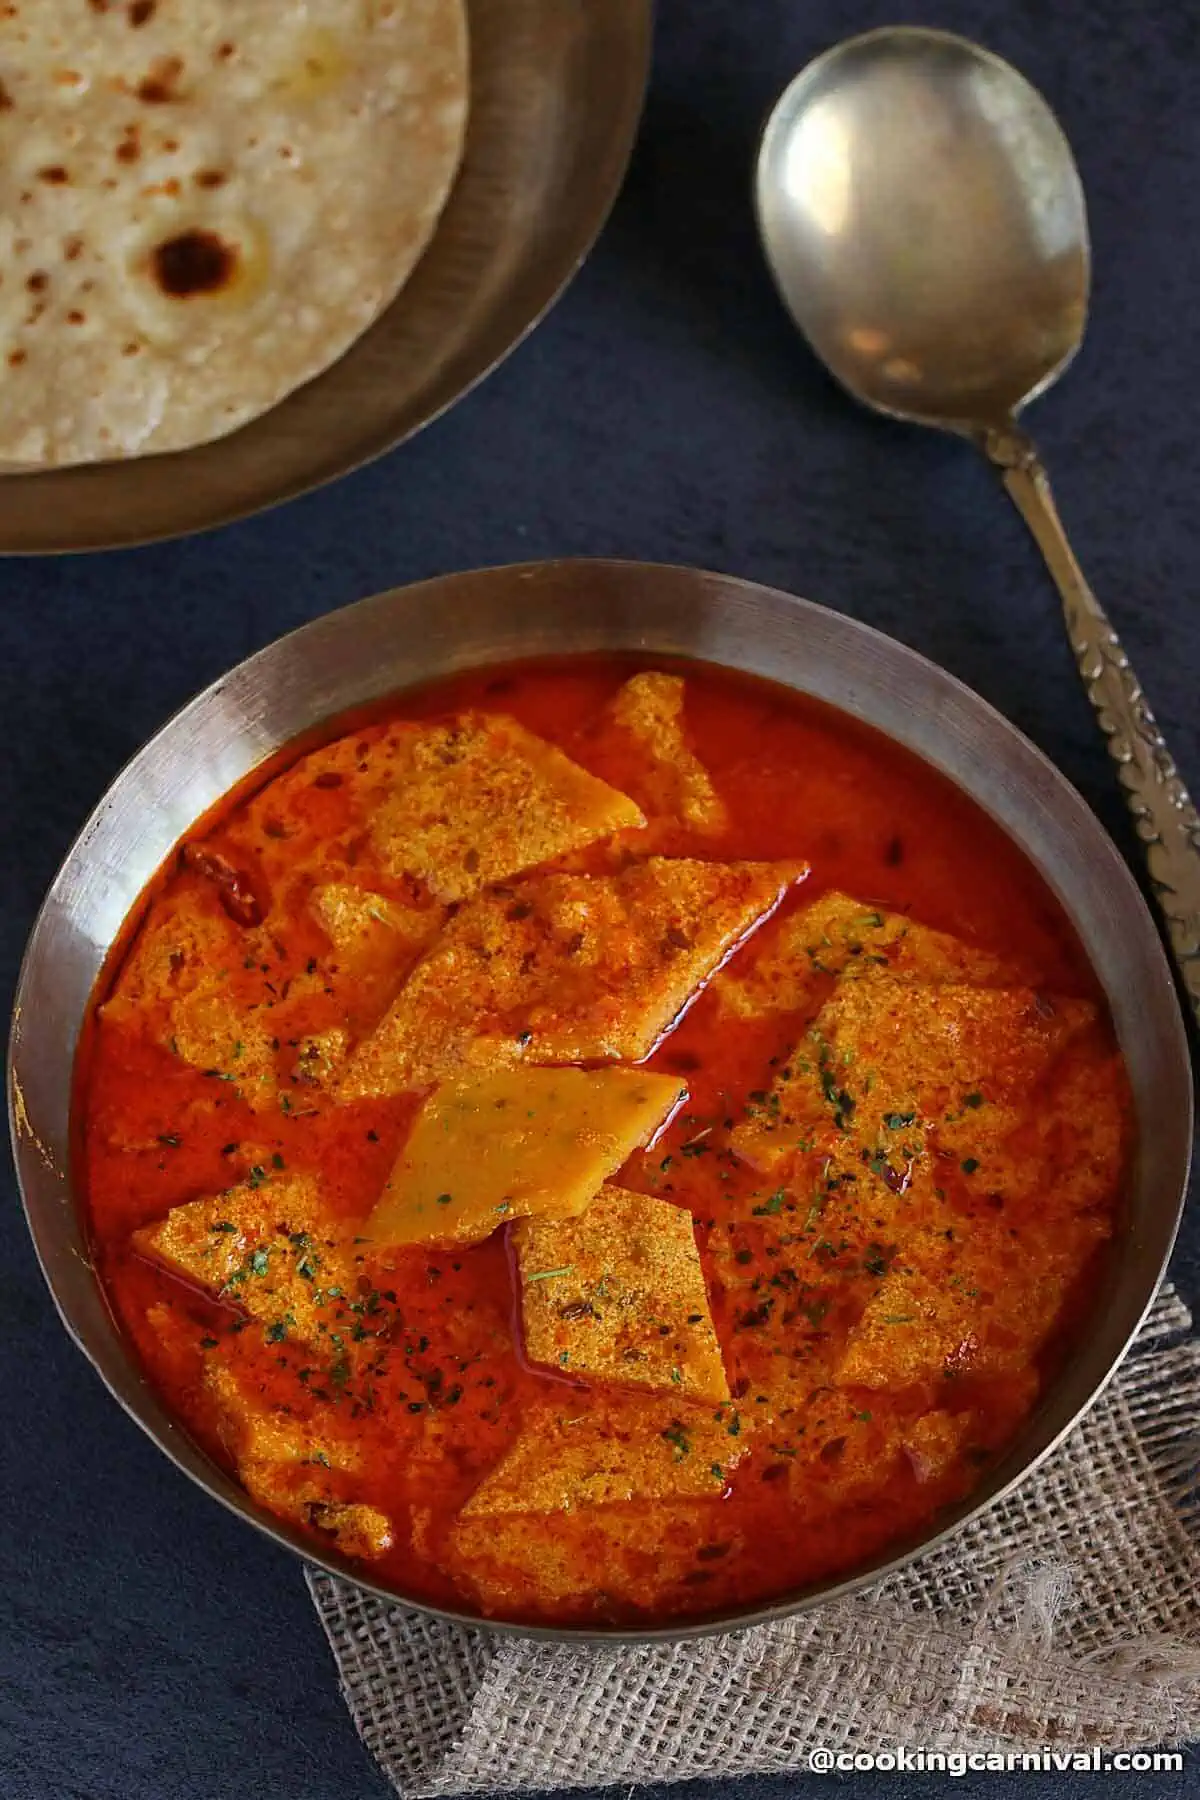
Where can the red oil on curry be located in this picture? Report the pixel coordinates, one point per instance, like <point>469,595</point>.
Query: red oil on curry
<point>428,1383</point>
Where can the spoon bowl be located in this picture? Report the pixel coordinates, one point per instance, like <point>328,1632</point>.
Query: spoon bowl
<point>925,223</point>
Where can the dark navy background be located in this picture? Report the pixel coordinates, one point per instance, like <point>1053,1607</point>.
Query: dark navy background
<point>152,1648</point>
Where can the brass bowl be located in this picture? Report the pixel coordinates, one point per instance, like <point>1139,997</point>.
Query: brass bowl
<point>411,635</point>
<point>556,94</point>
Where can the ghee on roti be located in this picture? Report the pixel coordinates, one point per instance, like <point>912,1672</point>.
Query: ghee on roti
<point>203,203</point>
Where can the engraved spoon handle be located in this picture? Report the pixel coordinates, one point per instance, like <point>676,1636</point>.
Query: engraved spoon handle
<point>1164,815</point>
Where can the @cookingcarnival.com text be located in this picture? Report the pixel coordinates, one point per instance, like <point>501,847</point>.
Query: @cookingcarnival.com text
<point>916,1759</point>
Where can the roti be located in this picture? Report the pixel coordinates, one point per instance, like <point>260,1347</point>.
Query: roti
<point>203,203</point>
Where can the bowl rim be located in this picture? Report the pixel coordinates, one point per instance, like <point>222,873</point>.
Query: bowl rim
<point>432,591</point>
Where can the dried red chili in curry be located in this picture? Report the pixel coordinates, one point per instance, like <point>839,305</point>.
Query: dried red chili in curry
<point>393,1262</point>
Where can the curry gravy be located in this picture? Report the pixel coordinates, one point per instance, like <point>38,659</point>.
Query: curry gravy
<point>881,1148</point>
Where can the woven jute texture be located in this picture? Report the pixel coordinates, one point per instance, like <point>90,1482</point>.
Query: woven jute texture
<point>1069,1615</point>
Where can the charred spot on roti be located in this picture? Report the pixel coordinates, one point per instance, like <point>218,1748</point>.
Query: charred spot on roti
<point>141,12</point>
<point>160,86</point>
<point>195,262</point>
<point>54,175</point>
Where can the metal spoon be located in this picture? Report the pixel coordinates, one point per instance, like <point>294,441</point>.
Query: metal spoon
<point>925,223</point>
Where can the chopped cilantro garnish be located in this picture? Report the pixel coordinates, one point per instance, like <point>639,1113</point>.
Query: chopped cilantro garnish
<point>678,1438</point>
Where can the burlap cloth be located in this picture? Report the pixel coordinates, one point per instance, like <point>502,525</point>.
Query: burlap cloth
<point>1068,1616</point>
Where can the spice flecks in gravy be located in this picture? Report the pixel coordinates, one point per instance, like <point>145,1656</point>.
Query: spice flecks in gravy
<point>881,1149</point>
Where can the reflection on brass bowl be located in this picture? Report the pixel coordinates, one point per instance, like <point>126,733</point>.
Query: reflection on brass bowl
<point>383,645</point>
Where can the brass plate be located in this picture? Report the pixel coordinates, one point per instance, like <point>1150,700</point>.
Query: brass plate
<point>383,645</point>
<point>556,95</point>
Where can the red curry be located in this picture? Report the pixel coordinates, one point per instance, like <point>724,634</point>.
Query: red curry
<point>870,1219</point>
